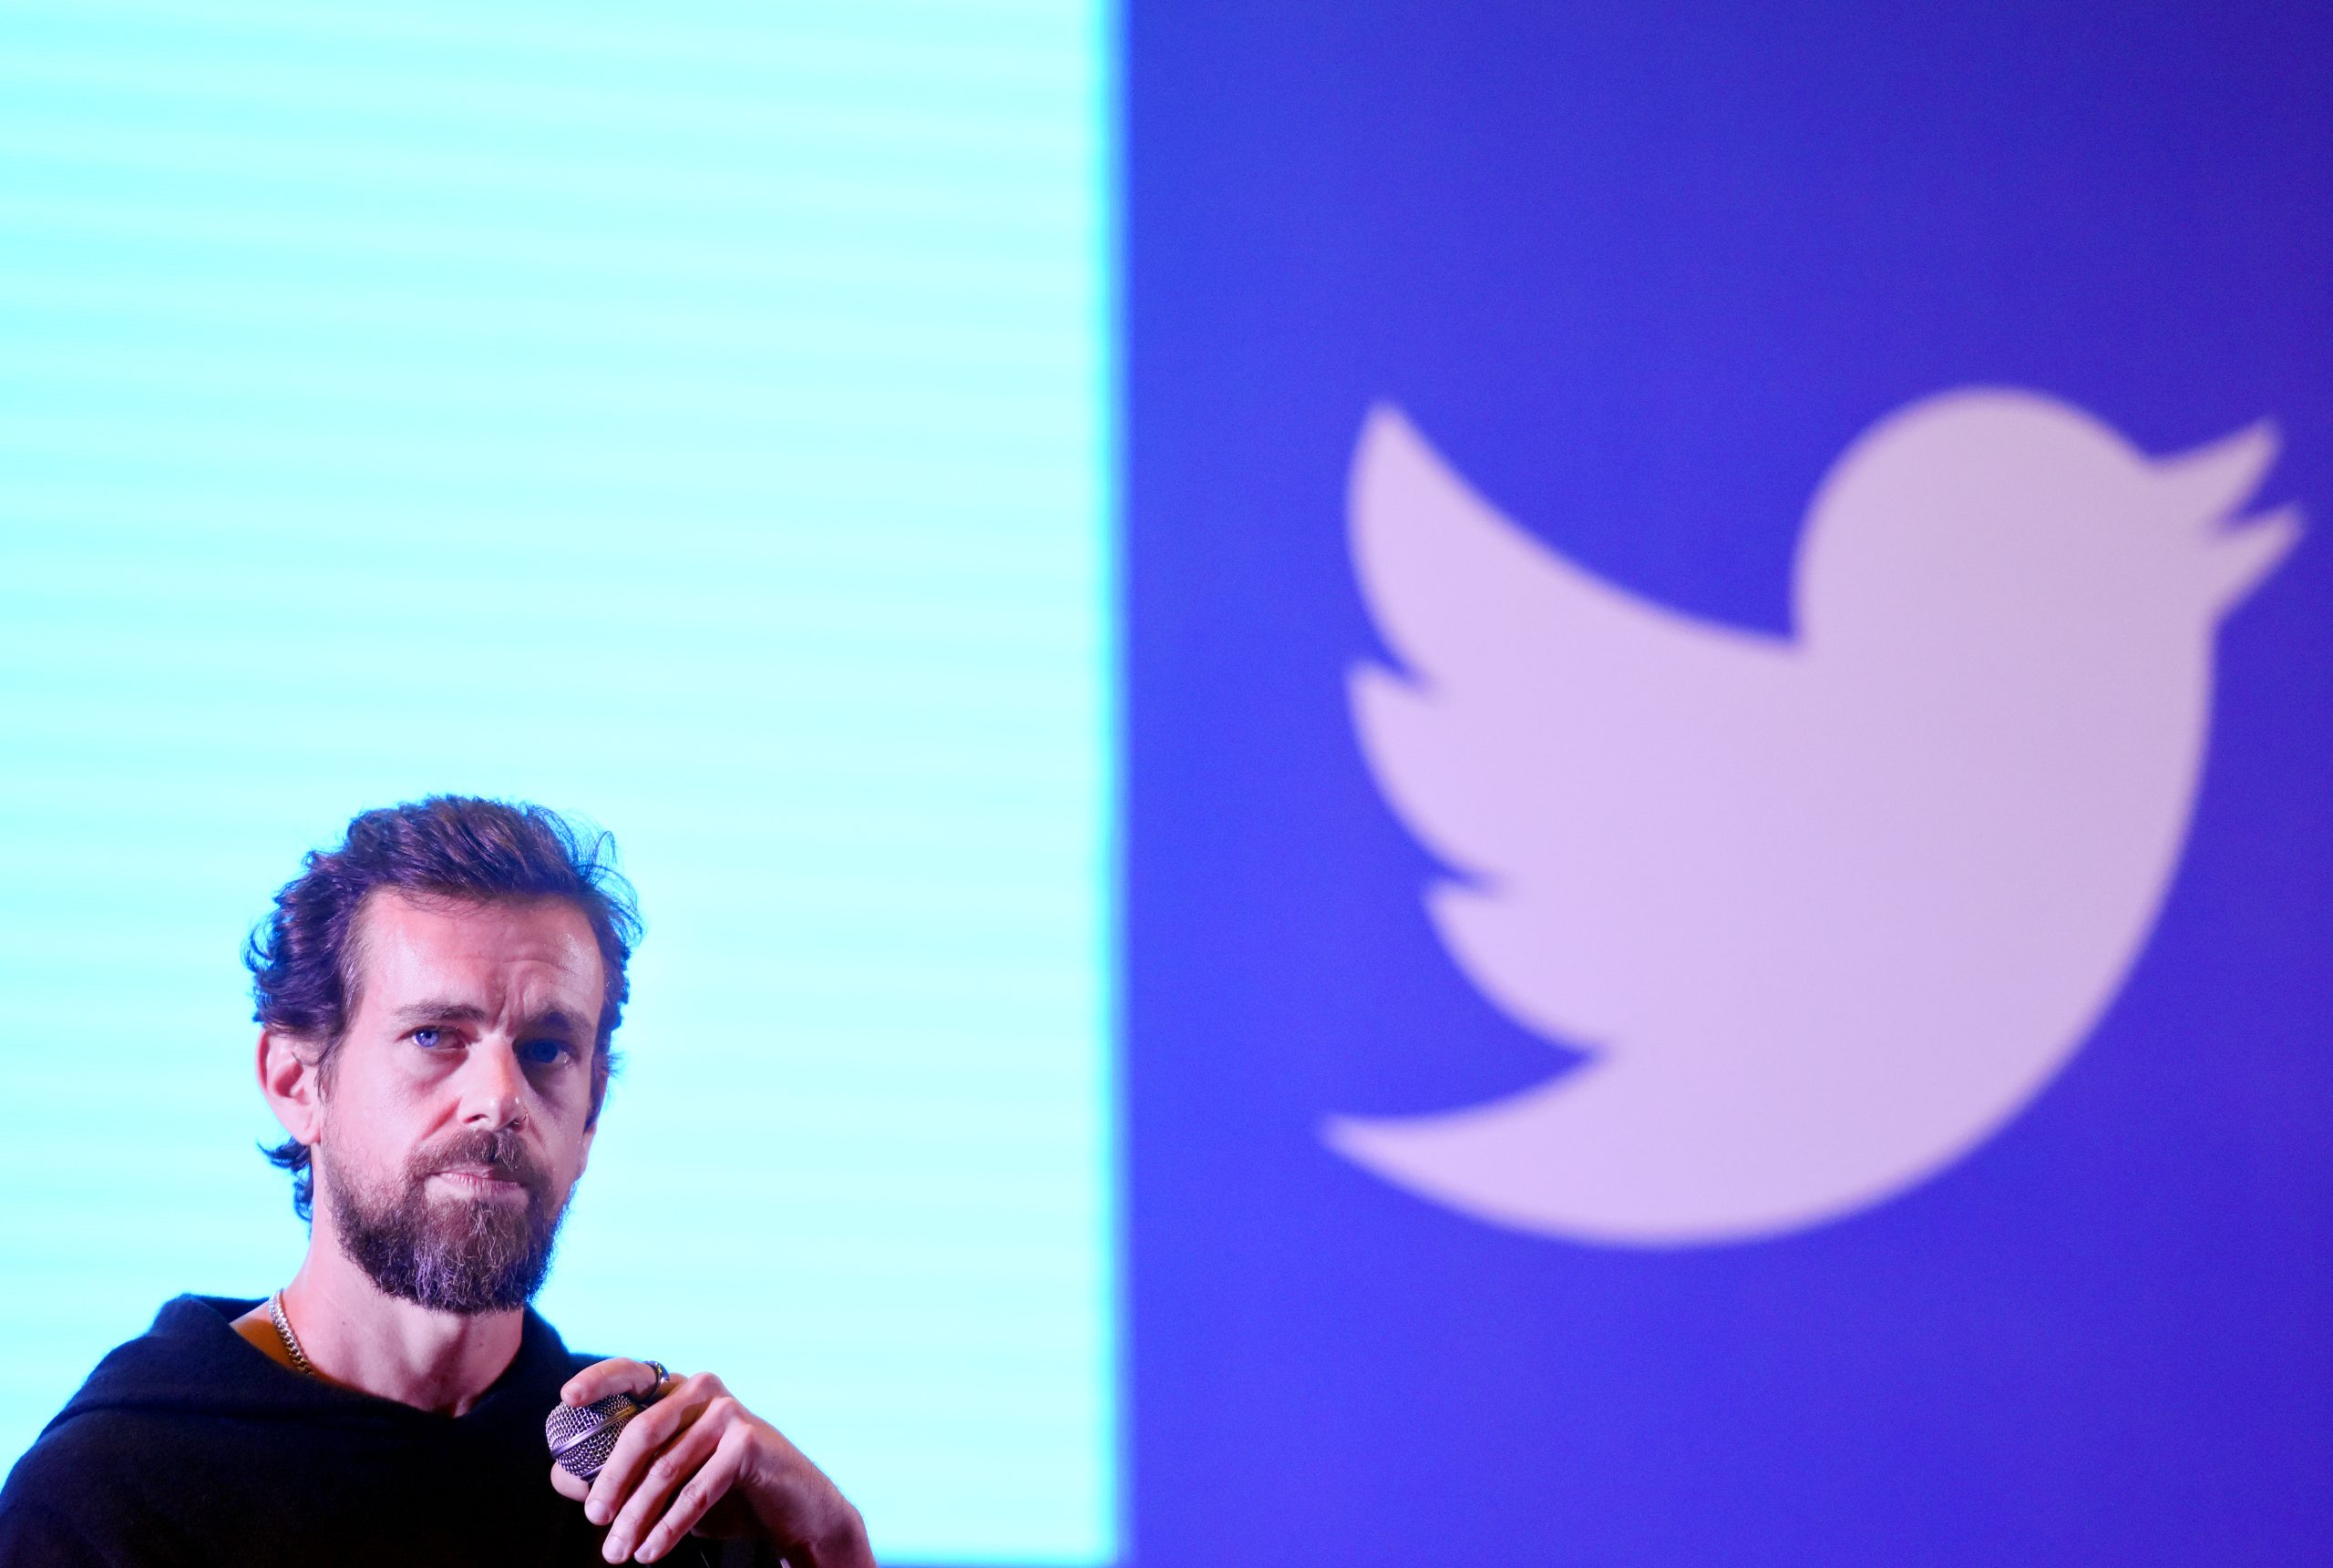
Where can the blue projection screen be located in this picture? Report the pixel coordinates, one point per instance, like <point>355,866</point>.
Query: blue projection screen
<point>694,418</point>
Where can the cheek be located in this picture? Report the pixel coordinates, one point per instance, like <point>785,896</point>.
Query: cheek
<point>348,1139</point>
<point>565,1102</point>
<point>569,1143</point>
<point>370,1124</point>
<point>569,1146</point>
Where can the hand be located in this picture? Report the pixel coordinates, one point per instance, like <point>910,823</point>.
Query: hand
<point>697,1460</point>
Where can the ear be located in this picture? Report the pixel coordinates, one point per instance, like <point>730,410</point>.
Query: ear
<point>291,1079</point>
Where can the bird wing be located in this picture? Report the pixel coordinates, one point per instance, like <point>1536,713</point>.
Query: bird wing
<point>1589,761</point>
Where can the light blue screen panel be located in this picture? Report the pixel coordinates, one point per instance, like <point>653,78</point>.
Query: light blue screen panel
<point>692,416</point>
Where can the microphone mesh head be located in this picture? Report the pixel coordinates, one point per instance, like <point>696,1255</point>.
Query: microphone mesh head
<point>581,1436</point>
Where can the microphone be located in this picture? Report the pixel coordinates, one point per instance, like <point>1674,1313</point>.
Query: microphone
<point>581,1436</point>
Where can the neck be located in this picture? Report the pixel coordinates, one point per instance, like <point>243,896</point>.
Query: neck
<point>360,1338</point>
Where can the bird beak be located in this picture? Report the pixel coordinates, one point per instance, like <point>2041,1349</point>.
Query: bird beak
<point>2201,491</point>
<point>2245,550</point>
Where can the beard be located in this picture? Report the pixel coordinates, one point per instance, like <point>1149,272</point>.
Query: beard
<point>462,1255</point>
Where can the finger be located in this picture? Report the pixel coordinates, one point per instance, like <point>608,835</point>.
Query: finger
<point>641,1437</point>
<point>680,1461</point>
<point>704,1488</point>
<point>617,1375</point>
<point>635,1445</point>
<point>568,1484</point>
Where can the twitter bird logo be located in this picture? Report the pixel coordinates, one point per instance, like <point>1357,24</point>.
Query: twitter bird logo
<point>1823,911</point>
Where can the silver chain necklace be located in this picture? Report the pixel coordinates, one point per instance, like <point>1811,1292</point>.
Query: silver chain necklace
<point>290,1341</point>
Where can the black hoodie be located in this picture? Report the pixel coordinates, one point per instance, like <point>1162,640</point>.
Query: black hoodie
<point>188,1446</point>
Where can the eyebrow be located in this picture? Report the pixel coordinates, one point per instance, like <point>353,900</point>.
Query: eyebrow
<point>552,1021</point>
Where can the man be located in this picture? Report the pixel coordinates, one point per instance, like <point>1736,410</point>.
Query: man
<point>436,998</point>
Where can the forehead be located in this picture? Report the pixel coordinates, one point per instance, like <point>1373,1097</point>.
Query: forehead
<point>532,953</point>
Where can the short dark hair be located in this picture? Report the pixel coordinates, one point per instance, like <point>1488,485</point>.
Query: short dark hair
<point>302,963</point>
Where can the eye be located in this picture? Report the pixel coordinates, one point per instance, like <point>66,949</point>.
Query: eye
<point>428,1039</point>
<point>546,1052</point>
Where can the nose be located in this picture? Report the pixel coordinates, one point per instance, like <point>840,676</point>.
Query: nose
<point>493,1087</point>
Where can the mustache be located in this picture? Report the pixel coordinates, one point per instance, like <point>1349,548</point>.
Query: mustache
<point>502,1153</point>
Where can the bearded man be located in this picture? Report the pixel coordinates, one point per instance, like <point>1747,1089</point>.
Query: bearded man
<point>436,999</point>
